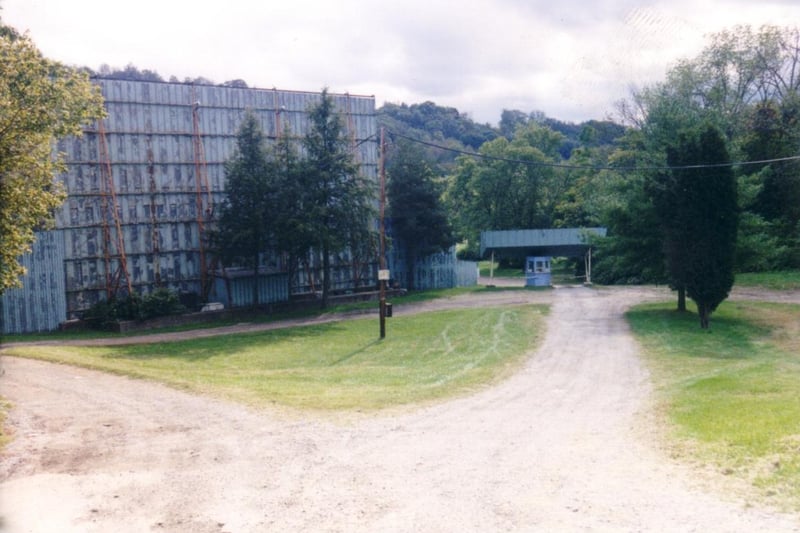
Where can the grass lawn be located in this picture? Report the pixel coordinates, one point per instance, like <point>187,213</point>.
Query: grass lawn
<point>487,267</point>
<point>562,272</point>
<point>5,437</point>
<point>732,393</point>
<point>781,281</point>
<point>257,318</point>
<point>338,366</point>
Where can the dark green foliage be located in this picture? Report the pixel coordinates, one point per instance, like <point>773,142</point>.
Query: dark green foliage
<point>745,83</point>
<point>237,83</point>
<point>510,188</point>
<point>290,231</point>
<point>160,302</point>
<point>698,211</point>
<point>438,122</point>
<point>632,252</point>
<point>774,132</point>
<point>589,134</point>
<point>419,221</point>
<point>443,126</point>
<point>106,313</point>
<point>279,203</point>
<point>246,220</point>
<point>101,315</point>
<point>130,72</point>
<point>759,246</point>
<point>336,200</point>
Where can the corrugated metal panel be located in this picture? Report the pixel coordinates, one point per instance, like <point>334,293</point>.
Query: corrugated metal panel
<point>466,273</point>
<point>237,291</point>
<point>346,274</point>
<point>436,271</point>
<point>40,305</point>
<point>566,238</point>
<point>150,137</point>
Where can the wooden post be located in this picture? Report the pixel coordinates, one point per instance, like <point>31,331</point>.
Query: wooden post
<point>382,258</point>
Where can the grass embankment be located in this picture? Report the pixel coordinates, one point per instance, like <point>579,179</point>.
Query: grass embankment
<point>732,393</point>
<point>338,366</point>
<point>779,281</point>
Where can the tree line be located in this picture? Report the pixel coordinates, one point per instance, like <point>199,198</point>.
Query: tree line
<point>677,210</point>
<point>659,176</point>
<point>278,202</point>
<point>281,203</point>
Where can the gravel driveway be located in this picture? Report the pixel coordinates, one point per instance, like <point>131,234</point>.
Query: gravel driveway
<point>564,445</point>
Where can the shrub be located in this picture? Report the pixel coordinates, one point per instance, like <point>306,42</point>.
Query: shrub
<point>101,315</point>
<point>161,302</point>
<point>106,313</point>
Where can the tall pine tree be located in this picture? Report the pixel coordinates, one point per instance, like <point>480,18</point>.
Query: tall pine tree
<point>244,229</point>
<point>337,200</point>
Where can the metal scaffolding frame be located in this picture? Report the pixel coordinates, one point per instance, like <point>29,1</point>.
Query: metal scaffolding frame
<point>110,210</point>
<point>204,209</point>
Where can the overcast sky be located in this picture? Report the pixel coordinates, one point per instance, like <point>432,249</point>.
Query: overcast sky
<point>571,59</point>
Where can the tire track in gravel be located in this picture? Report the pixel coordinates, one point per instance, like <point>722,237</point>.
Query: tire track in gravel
<point>557,447</point>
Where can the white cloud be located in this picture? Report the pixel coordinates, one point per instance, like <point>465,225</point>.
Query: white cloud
<point>571,59</point>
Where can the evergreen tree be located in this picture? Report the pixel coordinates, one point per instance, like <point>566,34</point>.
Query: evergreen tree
<point>246,221</point>
<point>291,231</point>
<point>419,220</point>
<point>337,200</point>
<point>701,223</point>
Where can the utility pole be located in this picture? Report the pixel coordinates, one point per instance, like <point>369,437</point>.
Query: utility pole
<point>382,272</point>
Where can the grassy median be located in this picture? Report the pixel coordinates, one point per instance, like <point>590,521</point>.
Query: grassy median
<point>732,393</point>
<point>337,366</point>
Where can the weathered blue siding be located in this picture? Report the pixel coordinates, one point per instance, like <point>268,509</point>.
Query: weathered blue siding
<point>157,157</point>
<point>235,289</point>
<point>154,159</point>
<point>437,271</point>
<point>40,305</point>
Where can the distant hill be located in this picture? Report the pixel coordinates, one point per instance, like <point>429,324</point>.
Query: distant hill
<point>432,123</point>
<point>446,126</point>
<point>443,126</point>
<point>591,134</point>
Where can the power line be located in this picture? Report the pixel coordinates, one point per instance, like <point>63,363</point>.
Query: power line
<point>591,167</point>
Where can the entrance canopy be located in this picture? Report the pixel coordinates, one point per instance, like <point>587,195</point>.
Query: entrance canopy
<point>562,242</point>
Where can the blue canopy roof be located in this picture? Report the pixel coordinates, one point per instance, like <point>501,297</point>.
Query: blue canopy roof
<point>562,242</point>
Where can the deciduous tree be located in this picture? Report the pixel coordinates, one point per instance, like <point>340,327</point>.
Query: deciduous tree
<point>40,101</point>
<point>511,187</point>
<point>747,83</point>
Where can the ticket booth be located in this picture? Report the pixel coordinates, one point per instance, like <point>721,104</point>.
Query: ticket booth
<point>537,272</point>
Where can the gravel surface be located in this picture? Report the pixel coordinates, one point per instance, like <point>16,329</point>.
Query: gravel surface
<point>567,444</point>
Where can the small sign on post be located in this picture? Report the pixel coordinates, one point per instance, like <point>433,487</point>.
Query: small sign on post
<point>383,275</point>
